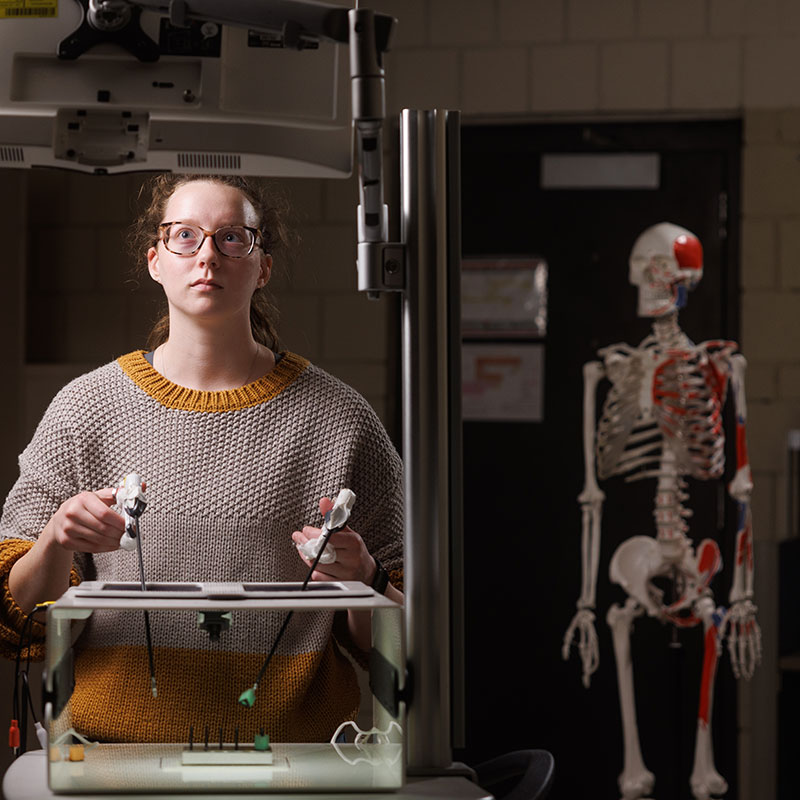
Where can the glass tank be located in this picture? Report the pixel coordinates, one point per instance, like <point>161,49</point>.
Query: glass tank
<point>148,732</point>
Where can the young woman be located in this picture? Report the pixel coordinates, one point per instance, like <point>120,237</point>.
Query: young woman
<point>240,446</point>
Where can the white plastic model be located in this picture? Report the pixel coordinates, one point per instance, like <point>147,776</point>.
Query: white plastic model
<point>335,519</point>
<point>662,419</point>
<point>131,500</point>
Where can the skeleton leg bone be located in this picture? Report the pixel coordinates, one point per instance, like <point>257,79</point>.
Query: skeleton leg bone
<point>636,780</point>
<point>705,780</point>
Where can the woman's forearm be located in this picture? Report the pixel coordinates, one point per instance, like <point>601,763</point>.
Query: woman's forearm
<point>42,573</point>
<point>360,622</point>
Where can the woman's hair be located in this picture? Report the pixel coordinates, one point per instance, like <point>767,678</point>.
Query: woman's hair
<point>271,209</point>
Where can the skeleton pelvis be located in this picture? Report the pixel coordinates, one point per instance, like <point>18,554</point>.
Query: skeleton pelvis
<point>639,559</point>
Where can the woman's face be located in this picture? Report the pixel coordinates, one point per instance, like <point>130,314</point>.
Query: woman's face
<point>207,284</point>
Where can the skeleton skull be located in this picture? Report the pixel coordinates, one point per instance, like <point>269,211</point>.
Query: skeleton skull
<point>666,262</point>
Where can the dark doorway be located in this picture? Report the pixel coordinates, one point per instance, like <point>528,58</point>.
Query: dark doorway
<point>521,480</point>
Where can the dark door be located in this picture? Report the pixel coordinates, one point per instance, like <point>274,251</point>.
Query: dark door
<point>522,539</point>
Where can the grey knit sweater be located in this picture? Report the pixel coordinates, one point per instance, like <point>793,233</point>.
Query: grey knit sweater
<point>230,475</point>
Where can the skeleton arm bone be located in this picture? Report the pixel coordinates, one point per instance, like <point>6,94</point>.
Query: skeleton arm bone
<point>740,625</point>
<point>591,500</point>
<point>741,486</point>
<point>740,489</point>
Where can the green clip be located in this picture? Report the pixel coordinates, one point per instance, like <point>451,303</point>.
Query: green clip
<point>248,697</point>
<point>261,741</point>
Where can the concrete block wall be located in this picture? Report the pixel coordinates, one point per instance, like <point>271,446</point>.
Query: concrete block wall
<point>88,300</point>
<point>650,59</point>
<point>532,59</point>
<point>537,58</point>
<point>573,59</point>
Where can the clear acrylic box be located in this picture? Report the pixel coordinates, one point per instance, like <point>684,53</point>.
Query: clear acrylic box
<point>355,762</point>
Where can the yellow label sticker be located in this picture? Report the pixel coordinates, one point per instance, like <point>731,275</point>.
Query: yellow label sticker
<point>26,9</point>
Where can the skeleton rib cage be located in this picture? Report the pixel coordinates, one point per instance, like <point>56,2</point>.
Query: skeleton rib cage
<point>664,401</point>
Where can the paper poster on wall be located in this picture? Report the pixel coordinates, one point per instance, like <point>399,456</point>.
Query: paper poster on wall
<point>503,382</point>
<point>504,297</point>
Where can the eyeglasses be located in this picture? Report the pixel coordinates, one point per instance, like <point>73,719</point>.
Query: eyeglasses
<point>234,241</point>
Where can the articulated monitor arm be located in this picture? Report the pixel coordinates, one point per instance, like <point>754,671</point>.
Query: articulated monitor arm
<point>301,24</point>
<point>381,264</point>
<point>298,20</point>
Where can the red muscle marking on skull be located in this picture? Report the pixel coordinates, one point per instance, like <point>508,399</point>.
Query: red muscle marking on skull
<point>688,252</point>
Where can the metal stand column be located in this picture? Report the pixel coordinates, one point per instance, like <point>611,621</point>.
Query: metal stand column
<point>431,425</point>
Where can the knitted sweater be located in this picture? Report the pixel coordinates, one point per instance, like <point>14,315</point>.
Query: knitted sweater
<point>230,475</point>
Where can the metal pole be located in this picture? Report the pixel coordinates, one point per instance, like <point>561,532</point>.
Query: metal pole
<point>427,425</point>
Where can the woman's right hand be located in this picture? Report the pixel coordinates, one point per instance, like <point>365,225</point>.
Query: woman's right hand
<point>86,524</point>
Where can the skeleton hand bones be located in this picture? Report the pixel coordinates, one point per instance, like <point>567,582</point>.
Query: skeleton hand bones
<point>582,628</point>
<point>744,637</point>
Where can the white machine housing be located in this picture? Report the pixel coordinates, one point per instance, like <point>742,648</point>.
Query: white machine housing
<point>258,108</point>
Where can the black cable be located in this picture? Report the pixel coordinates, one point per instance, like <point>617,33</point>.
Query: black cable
<point>20,646</point>
<point>27,629</point>
<point>23,721</point>
<point>25,681</point>
<point>148,636</point>
<point>19,706</point>
<point>282,630</point>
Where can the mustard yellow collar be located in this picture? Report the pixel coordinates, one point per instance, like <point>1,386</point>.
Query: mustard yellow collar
<point>171,395</point>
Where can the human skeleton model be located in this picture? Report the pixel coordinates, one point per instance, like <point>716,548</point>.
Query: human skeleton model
<point>662,419</point>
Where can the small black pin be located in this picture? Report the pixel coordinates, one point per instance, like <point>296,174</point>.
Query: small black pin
<point>236,738</point>
<point>191,737</point>
<point>206,738</point>
<point>220,737</point>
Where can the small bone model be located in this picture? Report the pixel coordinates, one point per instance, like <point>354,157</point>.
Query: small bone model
<point>335,519</point>
<point>662,419</point>
<point>131,500</point>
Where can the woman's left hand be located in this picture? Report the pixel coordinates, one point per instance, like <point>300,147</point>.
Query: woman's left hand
<point>353,561</point>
